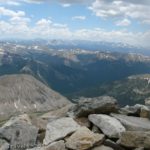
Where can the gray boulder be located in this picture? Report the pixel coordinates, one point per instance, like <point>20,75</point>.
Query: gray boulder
<point>60,128</point>
<point>109,125</point>
<point>86,106</point>
<point>19,133</point>
<point>133,123</point>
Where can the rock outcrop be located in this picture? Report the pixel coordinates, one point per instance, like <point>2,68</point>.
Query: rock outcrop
<point>86,106</point>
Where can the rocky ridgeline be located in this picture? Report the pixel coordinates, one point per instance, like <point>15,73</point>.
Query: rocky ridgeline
<point>91,124</point>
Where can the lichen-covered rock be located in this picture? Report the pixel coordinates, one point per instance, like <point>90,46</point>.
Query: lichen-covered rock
<point>83,139</point>
<point>109,125</point>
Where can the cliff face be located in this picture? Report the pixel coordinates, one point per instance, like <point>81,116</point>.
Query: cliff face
<point>24,93</point>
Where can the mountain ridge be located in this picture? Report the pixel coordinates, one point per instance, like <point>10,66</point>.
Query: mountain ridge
<point>23,93</point>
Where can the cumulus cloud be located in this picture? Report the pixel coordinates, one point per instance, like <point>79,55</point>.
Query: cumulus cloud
<point>45,28</point>
<point>18,24</point>
<point>124,22</point>
<point>79,18</point>
<point>135,9</point>
<point>11,13</point>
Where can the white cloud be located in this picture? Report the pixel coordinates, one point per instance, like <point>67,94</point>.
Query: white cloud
<point>122,9</point>
<point>124,22</point>
<point>45,28</point>
<point>11,13</point>
<point>79,18</point>
<point>9,2</point>
<point>66,5</point>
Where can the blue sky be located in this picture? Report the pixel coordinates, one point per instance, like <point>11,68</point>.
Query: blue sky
<point>99,20</point>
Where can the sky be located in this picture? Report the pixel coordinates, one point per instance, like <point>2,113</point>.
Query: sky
<point>126,21</point>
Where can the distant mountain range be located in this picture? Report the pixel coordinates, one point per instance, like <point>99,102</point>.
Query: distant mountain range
<point>69,70</point>
<point>83,44</point>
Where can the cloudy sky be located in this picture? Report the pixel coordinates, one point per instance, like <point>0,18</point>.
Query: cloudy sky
<point>126,21</point>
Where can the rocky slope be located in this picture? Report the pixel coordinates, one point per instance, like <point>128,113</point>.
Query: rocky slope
<point>23,93</point>
<point>101,125</point>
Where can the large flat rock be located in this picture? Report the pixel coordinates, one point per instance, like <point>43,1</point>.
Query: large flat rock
<point>60,128</point>
<point>133,123</point>
<point>109,125</point>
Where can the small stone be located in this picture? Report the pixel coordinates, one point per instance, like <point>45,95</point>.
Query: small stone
<point>95,129</point>
<point>83,122</point>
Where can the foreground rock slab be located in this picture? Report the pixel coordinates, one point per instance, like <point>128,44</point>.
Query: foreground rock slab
<point>135,139</point>
<point>60,128</point>
<point>133,123</point>
<point>19,132</point>
<point>83,139</point>
<point>109,125</point>
<point>86,106</point>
